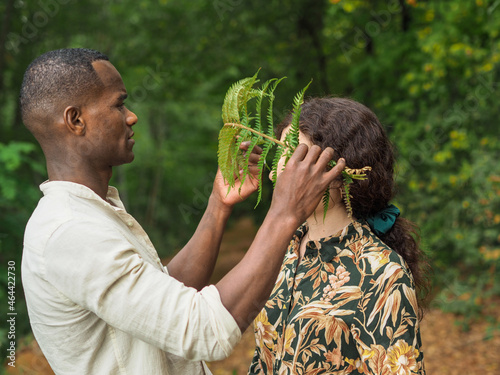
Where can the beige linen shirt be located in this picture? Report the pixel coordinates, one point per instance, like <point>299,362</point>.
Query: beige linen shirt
<point>99,299</point>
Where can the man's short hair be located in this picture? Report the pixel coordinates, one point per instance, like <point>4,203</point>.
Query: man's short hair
<point>57,76</point>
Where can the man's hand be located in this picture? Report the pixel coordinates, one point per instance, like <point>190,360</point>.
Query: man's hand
<point>301,185</point>
<point>299,188</point>
<point>194,264</point>
<point>239,192</point>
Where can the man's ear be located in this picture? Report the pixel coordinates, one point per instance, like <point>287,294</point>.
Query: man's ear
<point>73,120</point>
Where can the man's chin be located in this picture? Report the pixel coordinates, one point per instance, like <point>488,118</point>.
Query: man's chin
<point>130,158</point>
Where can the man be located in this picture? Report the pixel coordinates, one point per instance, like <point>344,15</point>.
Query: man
<point>99,300</point>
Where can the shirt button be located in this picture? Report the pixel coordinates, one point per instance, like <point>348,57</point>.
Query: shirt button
<point>130,223</point>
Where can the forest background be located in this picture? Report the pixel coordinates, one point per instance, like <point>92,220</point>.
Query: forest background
<point>429,69</point>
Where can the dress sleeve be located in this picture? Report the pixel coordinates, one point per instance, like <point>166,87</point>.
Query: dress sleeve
<point>386,328</point>
<point>103,273</point>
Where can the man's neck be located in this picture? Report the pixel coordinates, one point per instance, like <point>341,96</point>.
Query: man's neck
<point>96,180</point>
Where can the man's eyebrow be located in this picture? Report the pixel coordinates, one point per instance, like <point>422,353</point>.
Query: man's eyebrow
<point>122,97</point>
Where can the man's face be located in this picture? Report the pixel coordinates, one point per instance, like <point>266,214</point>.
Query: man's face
<point>109,122</point>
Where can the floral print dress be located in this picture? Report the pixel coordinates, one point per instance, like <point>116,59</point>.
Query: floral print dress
<point>349,307</point>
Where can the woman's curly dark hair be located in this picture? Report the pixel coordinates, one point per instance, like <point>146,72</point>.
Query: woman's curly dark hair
<point>355,133</point>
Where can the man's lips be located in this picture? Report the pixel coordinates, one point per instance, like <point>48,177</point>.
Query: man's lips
<point>132,141</point>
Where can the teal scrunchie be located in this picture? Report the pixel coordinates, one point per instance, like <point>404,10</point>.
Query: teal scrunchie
<point>382,221</point>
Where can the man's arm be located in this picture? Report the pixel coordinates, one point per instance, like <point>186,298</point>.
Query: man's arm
<point>103,273</point>
<point>299,188</point>
<point>194,264</point>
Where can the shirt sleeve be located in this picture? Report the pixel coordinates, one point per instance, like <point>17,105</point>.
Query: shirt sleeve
<point>386,331</point>
<point>103,273</point>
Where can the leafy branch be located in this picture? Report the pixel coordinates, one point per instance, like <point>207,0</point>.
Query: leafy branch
<point>241,125</point>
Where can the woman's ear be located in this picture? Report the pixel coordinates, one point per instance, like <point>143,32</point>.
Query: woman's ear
<point>337,183</point>
<point>336,191</point>
<point>73,120</point>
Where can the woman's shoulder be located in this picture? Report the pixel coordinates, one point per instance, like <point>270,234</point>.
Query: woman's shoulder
<point>382,259</point>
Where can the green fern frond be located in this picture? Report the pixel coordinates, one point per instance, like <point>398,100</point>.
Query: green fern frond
<point>258,106</point>
<point>346,195</point>
<point>292,137</point>
<point>232,101</point>
<point>245,119</point>
<point>240,125</point>
<point>255,133</point>
<point>270,123</point>
<point>227,137</point>
<point>246,95</point>
<point>274,169</point>
<point>237,157</point>
<point>326,202</point>
<point>260,165</point>
<point>235,111</point>
<point>246,161</point>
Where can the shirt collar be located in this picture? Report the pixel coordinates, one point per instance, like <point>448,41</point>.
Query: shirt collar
<point>83,191</point>
<point>327,246</point>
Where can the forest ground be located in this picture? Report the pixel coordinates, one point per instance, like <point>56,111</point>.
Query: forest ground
<point>448,350</point>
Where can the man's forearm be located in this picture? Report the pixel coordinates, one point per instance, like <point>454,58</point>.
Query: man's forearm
<point>246,288</point>
<point>194,264</point>
<point>299,188</point>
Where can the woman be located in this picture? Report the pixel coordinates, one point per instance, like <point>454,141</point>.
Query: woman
<point>345,301</point>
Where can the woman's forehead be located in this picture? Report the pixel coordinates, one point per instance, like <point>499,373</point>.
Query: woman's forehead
<point>303,138</point>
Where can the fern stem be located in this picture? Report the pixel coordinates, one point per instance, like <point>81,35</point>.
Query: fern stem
<point>256,132</point>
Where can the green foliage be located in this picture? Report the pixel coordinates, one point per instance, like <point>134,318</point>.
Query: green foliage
<point>11,158</point>
<point>240,124</point>
<point>292,137</point>
<point>18,196</point>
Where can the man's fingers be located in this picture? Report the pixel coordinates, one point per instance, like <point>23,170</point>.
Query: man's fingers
<point>254,159</point>
<point>300,153</point>
<point>253,169</point>
<point>256,150</point>
<point>325,156</point>
<point>337,170</point>
<point>255,153</point>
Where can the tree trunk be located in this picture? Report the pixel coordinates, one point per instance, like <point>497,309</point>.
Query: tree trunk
<point>310,22</point>
<point>405,16</point>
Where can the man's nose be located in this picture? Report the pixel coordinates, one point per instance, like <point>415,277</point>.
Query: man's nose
<point>131,118</point>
